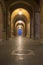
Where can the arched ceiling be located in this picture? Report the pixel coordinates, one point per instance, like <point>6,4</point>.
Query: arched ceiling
<point>20,22</point>
<point>30,1</point>
<point>20,11</point>
<point>34,3</point>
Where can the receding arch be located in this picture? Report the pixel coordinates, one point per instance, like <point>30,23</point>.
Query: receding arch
<point>28,7</point>
<point>15,16</point>
<point>21,4</point>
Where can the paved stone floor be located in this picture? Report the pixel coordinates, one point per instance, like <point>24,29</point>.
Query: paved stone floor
<point>21,51</point>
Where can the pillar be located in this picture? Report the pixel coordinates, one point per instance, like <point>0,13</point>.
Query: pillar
<point>41,19</point>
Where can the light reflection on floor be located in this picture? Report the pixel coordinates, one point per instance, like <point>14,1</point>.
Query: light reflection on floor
<point>21,51</point>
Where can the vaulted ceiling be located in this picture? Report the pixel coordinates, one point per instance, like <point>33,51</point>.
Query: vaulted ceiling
<point>37,1</point>
<point>34,3</point>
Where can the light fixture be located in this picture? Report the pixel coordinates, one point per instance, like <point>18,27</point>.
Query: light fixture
<point>20,12</point>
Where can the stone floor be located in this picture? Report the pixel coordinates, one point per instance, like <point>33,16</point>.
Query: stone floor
<point>21,51</point>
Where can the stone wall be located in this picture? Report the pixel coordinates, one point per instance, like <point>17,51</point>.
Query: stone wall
<point>1,20</point>
<point>37,25</point>
<point>41,19</point>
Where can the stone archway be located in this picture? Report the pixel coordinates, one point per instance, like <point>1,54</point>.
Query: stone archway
<point>25,16</point>
<point>29,8</point>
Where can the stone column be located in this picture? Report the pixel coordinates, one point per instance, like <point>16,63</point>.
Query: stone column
<point>28,30</point>
<point>32,27</point>
<point>37,25</point>
<point>41,20</point>
<point>2,20</point>
<point>8,24</point>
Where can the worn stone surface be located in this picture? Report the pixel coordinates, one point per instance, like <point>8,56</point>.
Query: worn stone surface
<point>21,51</point>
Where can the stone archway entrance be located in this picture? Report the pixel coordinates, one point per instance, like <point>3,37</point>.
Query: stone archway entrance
<point>30,10</point>
<point>20,20</point>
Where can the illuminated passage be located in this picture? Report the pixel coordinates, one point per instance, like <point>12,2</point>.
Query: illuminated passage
<point>19,32</point>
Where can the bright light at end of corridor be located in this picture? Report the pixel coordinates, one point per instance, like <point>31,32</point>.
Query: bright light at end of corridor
<point>20,21</point>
